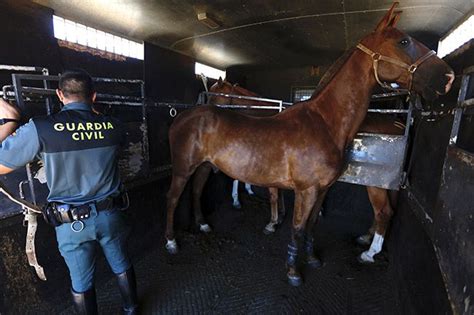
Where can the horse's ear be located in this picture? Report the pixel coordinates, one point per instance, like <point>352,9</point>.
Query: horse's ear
<point>390,18</point>
<point>220,81</point>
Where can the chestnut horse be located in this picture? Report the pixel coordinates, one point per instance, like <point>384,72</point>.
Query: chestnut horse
<point>303,147</point>
<point>373,123</point>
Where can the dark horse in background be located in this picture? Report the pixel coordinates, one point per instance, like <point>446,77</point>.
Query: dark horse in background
<point>382,203</point>
<point>303,147</point>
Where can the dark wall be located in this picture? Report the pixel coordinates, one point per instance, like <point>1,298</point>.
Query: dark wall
<point>275,82</point>
<point>170,76</point>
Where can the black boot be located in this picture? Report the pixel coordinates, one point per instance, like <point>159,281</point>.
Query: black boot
<point>85,303</point>
<point>128,289</point>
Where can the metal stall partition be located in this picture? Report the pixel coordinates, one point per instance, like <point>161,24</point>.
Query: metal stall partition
<point>453,220</point>
<point>21,180</point>
<point>31,91</point>
<point>372,159</point>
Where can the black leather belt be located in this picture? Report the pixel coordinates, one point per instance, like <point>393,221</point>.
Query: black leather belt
<point>58,213</point>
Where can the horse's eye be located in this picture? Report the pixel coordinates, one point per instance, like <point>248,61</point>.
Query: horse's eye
<point>404,42</point>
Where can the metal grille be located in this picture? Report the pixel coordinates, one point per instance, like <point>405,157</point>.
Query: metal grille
<point>302,94</point>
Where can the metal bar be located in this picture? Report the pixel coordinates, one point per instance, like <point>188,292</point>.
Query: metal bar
<point>38,91</point>
<point>389,94</point>
<point>459,110</point>
<point>456,124</point>
<point>5,91</point>
<point>165,104</point>
<point>250,107</point>
<point>119,97</point>
<point>389,111</point>
<point>49,107</point>
<point>17,86</point>
<point>118,80</point>
<point>37,77</point>
<point>252,98</point>
<point>408,121</point>
<point>146,148</point>
<point>118,103</point>
<point>21,68</point>
<point>49,92</point>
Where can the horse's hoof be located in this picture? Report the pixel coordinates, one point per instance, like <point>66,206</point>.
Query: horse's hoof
<point>364,258</point>
<point>364,239</point>
<point>237,205</point>
<point>269,229</point>
<point>294,280</point>
<point>172,247</point>
<point>313,262</point>
<point>205,228</point>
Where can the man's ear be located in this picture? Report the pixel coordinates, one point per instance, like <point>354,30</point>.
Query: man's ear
<point>94,96</point>
<point>60,95</point>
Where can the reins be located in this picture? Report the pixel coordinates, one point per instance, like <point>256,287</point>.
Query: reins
<point>376,57</point>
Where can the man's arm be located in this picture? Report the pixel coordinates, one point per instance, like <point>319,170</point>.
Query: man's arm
<point>10,112</point>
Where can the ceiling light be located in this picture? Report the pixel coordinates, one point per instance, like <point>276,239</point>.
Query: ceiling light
<point>208,21</point>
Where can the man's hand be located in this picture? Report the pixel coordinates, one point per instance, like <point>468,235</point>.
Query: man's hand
<point>10,112</point>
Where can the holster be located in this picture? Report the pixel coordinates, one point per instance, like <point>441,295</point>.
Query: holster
<point>56,214</point>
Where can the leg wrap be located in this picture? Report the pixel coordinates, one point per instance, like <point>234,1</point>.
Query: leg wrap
<point>308,244</point>
<point>292,255</point>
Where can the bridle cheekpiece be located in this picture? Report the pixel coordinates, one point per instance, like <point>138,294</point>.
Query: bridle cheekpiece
<point>376,57</point>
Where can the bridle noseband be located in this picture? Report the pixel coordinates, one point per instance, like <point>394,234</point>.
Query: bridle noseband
<point>376,57</point>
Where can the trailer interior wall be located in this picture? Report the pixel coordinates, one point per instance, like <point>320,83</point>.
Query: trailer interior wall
<point>277,82</point>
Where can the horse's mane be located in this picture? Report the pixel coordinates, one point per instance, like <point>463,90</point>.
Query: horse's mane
<point>331,72</point>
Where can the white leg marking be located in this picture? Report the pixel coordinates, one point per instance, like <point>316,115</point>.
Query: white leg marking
<point>172,246</point>
<point>248,187</point>
<point>375,248</point>
<point>205,228</point>
<point>270,227</point>
<point>235,190</point>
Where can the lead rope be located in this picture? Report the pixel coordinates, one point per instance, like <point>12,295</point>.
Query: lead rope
<point>31,212</point>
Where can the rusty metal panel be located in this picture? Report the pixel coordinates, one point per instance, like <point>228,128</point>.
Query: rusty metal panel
<point>376,160</point>
<point>454,228</point>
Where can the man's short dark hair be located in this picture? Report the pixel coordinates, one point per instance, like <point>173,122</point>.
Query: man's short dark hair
<point>76,83</point>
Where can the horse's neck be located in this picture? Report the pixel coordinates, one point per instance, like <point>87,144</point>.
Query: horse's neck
<point>344,102</point>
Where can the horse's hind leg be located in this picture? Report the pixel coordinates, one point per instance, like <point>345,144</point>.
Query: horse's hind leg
<point>200,177</point>
<point>270,227</point>
<point>311,259</point>
<point>382,214</point>
<point>281,207</point>
<point>304,203</point>
<point>177,186</point>
<point>235,194</point>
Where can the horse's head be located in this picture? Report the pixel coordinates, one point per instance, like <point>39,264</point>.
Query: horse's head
<point>225,87</point>
<point>399,58</point>
<point>221,86</point>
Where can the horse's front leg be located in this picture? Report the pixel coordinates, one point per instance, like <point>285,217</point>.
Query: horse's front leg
<point>304,203</point>
<point>235,194</point>
<point>200,177</point>
<point>270,227</point>
<point>177,186</point>
<point>382,215</point>
<point>311,259</point>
